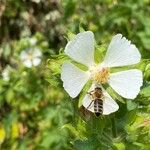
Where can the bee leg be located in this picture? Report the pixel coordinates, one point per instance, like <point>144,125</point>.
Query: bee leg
<point>90,104</point>
<point>90,93</point>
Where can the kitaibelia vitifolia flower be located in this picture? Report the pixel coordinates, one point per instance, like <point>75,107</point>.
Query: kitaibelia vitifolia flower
<point>31,57</point>
<point>120,52</point>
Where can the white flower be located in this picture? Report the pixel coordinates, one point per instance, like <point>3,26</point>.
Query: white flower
<point>120,53</point>
<point>36,1</point>
<point>33,41</point>
<point>31,57</point>
<point>5,74</point>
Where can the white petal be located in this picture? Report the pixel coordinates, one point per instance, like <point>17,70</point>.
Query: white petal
<point>121,52</point>
<point>86,102</point>
<point>73,79</point>
<point>109,105</point>
<point>81,48</point>
<point>23,55</point>
<point>27,63</point>
<point>127,83</point>
<point>37,52</point>
<point>36,61</point>
<point>6,74</point>
<point>33,41</point>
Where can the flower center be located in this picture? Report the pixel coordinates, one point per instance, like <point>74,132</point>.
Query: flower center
<point>99,74</point>
<point>30,57</point>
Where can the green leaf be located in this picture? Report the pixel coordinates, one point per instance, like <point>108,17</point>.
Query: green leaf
<point>82,67</point>
<point>70,35</point>
<point>90,144</point>
<point>142,65</point>
<point>119,146</point>
<point>53,81</point>
<point>145,36</point>
<point>131,105</point>
<point>99,53</point>
<point>95,125</point>
<point>113,94</point>
<point>145,92</point>
<point>147,72</point>
<point>69,8</point>
<point>73,130</point>
<point>81,29</point>
<point>131,116</point>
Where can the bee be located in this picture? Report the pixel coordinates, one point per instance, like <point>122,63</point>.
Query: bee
<point>97,99</point>
<point>99,102</point>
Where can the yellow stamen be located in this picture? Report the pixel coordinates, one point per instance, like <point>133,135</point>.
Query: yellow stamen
<point>99,74</point>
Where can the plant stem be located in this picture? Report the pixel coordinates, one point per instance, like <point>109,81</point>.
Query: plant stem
<point>114,129</point>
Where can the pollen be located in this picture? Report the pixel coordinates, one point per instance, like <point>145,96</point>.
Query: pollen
<point>99,74</point>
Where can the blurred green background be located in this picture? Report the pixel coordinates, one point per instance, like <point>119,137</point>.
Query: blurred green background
<point>33,103</point>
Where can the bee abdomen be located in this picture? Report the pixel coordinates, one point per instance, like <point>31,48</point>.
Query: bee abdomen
<point>98,107</point>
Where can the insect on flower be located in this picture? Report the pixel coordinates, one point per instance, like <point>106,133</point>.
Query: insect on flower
<point>97,100</point>
<point>100,102</point>
<point>120,53</point>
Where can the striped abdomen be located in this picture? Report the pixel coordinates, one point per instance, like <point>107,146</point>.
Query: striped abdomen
<point>98,107</point>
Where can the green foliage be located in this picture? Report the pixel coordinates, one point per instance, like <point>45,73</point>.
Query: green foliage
<point>35,111</point>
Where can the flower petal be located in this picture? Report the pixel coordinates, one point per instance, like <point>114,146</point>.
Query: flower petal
<point>86,102</point>
<point>27,63</point>
<point>36,61</point>
<point>121,53</point>
<point>23,55</point>
<point>36,52</point>
<point>73,79</point>
<point>127,83</point>
<point>81,48</point>
<point>109,105</point>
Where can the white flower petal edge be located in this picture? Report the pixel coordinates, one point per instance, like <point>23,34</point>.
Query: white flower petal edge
<point>81,48</point>
<point>127,83</point>
<point>121,53</point>
<point>73,79</point>
<point>109,105</point>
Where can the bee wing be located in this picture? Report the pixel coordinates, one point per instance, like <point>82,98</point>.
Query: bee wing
<point>88,103</point>
<point>109,105</point>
